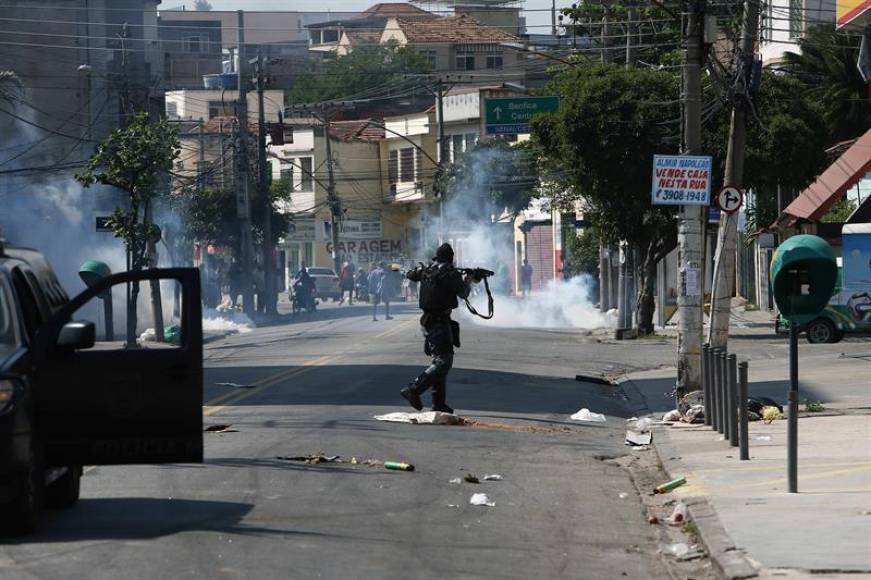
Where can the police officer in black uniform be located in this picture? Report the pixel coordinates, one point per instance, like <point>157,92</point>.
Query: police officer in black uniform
<point>440,285</point>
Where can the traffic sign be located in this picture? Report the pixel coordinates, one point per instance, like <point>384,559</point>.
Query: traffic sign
<point>729,199</point>
<point>681,180</point>
<point>511,115</point>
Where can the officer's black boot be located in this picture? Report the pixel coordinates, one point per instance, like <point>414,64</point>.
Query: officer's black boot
<point>439,394</point>
<point>410,394</point>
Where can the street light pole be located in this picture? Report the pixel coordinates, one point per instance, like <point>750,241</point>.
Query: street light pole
<point>243,203</point>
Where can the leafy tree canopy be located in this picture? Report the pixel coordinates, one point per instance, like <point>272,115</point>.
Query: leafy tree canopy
<point>786,142</point>
<point>827,63</point>
<point>600,145</point>
<point>364,69</point>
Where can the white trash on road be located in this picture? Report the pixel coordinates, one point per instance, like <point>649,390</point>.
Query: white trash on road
<point>424,418</point>
<point>481,499</point>
<point>587,415</point>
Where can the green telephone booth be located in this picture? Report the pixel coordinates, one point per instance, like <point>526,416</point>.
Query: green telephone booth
<point>803,275</point>
<point>91,272</point>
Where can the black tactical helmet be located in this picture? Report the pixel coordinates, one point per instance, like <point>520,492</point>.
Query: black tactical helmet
<point>445,253</point>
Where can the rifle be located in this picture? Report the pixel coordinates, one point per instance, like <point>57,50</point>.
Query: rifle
<point>480,274</point>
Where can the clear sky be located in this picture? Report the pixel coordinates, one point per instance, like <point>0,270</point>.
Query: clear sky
<point>537,15</point>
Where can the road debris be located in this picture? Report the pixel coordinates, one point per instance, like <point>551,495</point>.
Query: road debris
<point>469,478</point>
<point>758,404</point>
<point>677,550</point>
<point>770,414</point>
<point>623,495</point>
<point>673,415</point>
<point>678,515</point>
<point>466,422</point>
<point>220,428</point>
<point>587,415</point>
<point>634,438</point>
<point>311,459</point>
<point>670,485</point>
<point>424,418</point>
<point>762,438</point>
<point>455,481</point>
<point>398,466</point>
<point>492,477</point>
<point>653,520</point>
<point>453,505</point>
<point>235,385</point>
<point>481,499</point>
<point>639,425</point>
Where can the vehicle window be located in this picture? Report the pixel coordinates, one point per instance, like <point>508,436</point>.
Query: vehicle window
<point>109,315</point>
<point>7,328</point>
<point>28,302</point>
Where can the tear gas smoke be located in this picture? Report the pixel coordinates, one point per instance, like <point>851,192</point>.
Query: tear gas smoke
<point>483,238</point>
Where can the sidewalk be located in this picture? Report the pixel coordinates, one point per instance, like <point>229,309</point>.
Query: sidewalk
<point>826,527</point>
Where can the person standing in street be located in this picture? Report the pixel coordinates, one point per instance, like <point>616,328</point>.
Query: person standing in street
<point>526,278</point>
<point>376,289</point>
<point>346,281</point>
<point>440,286</point>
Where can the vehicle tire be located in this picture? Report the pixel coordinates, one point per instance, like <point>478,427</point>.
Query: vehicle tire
<point>64,491</point>
<point>21,515</point>
<point>821,331</point>
<point>839,335</point>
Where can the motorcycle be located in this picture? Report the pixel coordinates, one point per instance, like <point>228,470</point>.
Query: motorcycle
<point>361,289</point>
<point>304,299</point>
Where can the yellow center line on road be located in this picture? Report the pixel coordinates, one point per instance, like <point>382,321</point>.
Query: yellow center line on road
<point>395,329</point>
<point>212,408</point>
<point>276,376</point>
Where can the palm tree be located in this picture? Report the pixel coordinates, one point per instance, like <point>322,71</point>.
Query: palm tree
<point>827,63</point>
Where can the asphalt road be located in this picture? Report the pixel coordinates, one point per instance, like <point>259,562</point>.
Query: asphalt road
<point>318,383</point>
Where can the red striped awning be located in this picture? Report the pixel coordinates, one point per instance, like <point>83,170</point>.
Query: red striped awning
<point>831,186</point>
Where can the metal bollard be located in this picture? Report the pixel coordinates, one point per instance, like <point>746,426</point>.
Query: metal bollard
<point>721,386</point>
<point>722,420</point>
<point>706,381</point>
<point>742,411</point>
<point>715,374</point>
<point>732,403</point>
<point>718,383</point>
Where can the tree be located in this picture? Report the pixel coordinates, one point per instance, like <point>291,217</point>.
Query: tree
<point>202,5</point>
<point>493,177</point>
<point>785,147</point>
<point>839,212</point>
<point>134,159</point>
<point>365,69</point>
<point>582,254</point>
<point>598,148</point>
<point>827,63</point>
<point>210,216</point>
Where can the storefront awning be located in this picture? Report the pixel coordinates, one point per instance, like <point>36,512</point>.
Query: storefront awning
<point>831,186</point>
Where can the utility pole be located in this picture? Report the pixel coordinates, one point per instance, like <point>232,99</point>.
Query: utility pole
<point>332,198</point>
<point>724,265</point>
<point>243,203</point>
<point>268,253</point>
<point>689,233</point>
<point>443,155</point>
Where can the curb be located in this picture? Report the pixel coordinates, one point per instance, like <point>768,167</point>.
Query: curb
<point>729,563</point>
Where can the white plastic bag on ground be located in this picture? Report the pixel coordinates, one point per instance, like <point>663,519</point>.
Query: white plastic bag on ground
<point>424,418</point>
<point>673,415</point>
<point>481,499</point>
<point>587,415</point>
<point>492,477</point>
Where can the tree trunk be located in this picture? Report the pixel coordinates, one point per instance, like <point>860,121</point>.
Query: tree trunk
<point>151,262</point>
<point>646,303</point>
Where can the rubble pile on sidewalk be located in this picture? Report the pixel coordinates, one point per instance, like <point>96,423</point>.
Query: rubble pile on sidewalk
<point>691,409</point>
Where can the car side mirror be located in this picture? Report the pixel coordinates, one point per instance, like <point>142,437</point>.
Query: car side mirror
<point>77,335</point>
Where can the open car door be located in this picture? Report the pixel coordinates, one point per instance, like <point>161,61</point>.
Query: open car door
<point>100,402</point>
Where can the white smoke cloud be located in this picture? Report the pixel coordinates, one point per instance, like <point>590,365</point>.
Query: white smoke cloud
<point>481,243</point>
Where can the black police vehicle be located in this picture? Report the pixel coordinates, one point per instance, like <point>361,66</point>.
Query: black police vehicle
<point>70,396</point>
